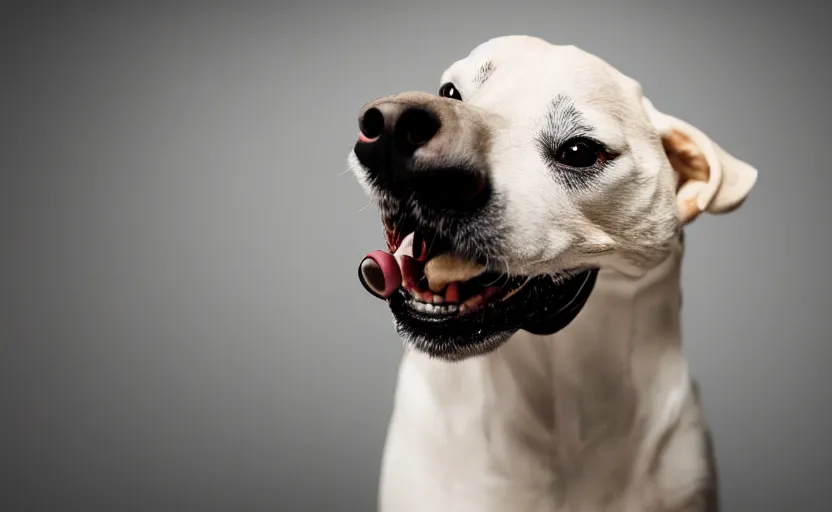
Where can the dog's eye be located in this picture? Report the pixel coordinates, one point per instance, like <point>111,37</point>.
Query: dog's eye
<point>580,152</point>
<point>449,90</point>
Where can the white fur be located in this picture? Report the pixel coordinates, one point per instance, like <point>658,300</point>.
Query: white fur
<point>603,415</point>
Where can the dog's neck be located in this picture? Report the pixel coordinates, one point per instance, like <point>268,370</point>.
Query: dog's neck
<point>577,399</point>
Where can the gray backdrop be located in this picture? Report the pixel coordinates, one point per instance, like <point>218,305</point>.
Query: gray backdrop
<point>182,325</point>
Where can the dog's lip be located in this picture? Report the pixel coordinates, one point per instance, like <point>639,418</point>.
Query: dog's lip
<point>543,307</point>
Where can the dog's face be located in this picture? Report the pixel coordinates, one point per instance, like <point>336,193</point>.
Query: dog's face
<point>532,167</point>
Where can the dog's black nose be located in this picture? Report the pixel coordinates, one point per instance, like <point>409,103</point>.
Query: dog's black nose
<point>446,172</point>
<point>391,132</point>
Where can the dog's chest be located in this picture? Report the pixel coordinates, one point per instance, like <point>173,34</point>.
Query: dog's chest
<point>493,430</point>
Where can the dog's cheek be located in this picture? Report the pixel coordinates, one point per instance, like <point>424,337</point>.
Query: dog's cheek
<point>535,233</point>
<point>630,206</point>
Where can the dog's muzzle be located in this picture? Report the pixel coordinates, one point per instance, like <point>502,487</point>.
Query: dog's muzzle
<point>426,157</point>
<point>433,147</point>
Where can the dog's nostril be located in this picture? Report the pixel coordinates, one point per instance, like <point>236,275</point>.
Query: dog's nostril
<point>372,123</point>
<point>416,127</point>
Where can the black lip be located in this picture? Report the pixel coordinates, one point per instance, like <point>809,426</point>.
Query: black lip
<point>543,306</point>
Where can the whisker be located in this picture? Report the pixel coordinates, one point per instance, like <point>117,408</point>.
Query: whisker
<point>433,241</point>
<point>506,264</point>
<point>495,281</point>
<point>487,266</point>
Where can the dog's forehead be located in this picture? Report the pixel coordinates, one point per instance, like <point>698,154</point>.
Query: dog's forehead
<point>525,74</point>
<point>528,58</point>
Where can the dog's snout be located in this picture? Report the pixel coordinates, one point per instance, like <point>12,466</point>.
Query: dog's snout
<point>391,130</point>
<point>405,128</point>
<point>422,143</point>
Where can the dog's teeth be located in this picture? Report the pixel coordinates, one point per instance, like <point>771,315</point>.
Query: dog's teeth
<point>438,305</point>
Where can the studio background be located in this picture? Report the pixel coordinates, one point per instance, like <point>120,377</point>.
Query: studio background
<point>182,327</point>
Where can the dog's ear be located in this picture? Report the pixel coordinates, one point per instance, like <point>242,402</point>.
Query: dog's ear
<point>708,178</point>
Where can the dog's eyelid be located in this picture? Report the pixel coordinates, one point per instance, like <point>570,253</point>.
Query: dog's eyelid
<point>612,149</point>
<point>591,140</point>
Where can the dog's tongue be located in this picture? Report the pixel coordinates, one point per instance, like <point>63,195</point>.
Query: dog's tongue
<point>382,273</point>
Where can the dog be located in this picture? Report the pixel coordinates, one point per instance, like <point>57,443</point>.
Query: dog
<point>533,210</point>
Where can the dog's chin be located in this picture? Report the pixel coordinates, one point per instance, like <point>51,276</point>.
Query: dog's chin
<point>540,305</point>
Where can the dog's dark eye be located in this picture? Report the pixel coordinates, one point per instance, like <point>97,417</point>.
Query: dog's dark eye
<point>449,90</point>
<point>580,152</point>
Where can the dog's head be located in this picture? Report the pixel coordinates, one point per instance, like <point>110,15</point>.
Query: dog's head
<point>501,196</point>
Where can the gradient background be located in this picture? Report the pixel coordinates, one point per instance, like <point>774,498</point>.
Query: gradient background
<point>182,325</point>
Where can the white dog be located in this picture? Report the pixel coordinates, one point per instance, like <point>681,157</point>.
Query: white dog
<point>534,212</point>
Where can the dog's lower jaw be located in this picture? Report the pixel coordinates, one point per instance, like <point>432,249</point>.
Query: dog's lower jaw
<point>437,351</point>
<point>600,416</point>
<point>543,304</point>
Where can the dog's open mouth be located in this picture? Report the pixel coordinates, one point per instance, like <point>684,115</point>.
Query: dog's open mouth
<point>461,298</point>
<point>452,307</point>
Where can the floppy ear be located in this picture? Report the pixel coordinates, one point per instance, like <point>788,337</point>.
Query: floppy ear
<point>708,178</point>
